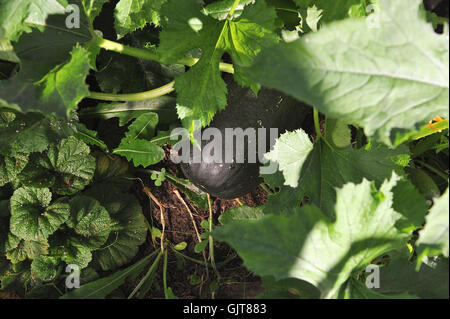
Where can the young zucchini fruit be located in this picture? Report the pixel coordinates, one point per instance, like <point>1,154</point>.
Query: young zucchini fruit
<point>270,109</point>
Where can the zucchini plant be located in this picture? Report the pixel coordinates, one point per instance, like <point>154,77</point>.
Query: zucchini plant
<point>94,95</point>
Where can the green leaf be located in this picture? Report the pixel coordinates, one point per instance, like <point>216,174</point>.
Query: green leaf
<point>143,127</point>
<point>289,288</point>
<point>241,213</point>
<point>290,151</point>
<point>70,248</point>
<point>18,250</point>
<point>40,52</point>
<point>66,167</point>
<point>311,11</point>
<point>100,288</point>
<point>164,106</point>
<point>201,246</point>
<point>201,92</point>
<point>219,9</point>
<point>45,268</point>
<point>10,167</point>
<point>400,276</point>
<point>307,245</point>
<point>433,238</point>
<point>12,17</point>
<point>141,152</point>
<point>32,132</point>
<point>338,133</point>
<point>326,169</point>
<point>135,14</point>
<point>411,204</point>
<point>19,16</point>
<point>90,220</point>
<point>353,289</point>
<point>372,84</point>
<point>93,8</point>
<point>130,231</point>
<point>89,136</point>
<point>32,216</point>
<point>64,86</point>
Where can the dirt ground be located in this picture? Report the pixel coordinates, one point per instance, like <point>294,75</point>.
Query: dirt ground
<point>235,281</point>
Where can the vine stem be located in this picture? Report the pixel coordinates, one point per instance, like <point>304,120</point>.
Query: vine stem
<point>211,241</point>
<point>147,55</point>
<point>165,89</point>
<point>317,124</point>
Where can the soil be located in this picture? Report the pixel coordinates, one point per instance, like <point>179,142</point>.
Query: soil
<point>235,280</point>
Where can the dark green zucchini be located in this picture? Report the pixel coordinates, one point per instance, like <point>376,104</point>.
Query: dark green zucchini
<point>270,109</point>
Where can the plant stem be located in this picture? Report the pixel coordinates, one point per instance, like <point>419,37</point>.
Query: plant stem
<point>177,193</point>
<point>149,272</point>
<point>133,96</point>
<point>199,261</point>
<point>165,274</point>
<point>233,8</point>
<point>211,241</point>
<point>317,124</point>
<point>149,55</point>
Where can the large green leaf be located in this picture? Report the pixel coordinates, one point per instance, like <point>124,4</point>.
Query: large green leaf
<point>133,14</point>
<point>241,213</point>
<point>18,249</point>
<point>90,221</point>
<point>46,47</point>
<point>101,288</point>
<point>45,268</point>
<point>290,151</point>
<point>201,92</point>
<point>326,169</point>
<point>360,70</point>
<point>131,227</point>
<point>143,127</point>
<point>64,86</point>
<point>10,167</point>
<point>400,276</point>
<point>66,167</point>
<point>32,215</point>
<point>307,245</point>
<point>141,152</point>
<point>315,12</point>
<point>19,16</point>
<point>32,132</point>
<point>433,238</point>
<point>354,289</point>
<point>71,248</point>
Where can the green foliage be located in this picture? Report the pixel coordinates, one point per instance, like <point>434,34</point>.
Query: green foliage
<point>307,245</point>
<point>433,238</point>
<point>133,14</point>
<point>65,167</point>
<point>369,182</point>
<point>201,92</point>
<point>372,84</point>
